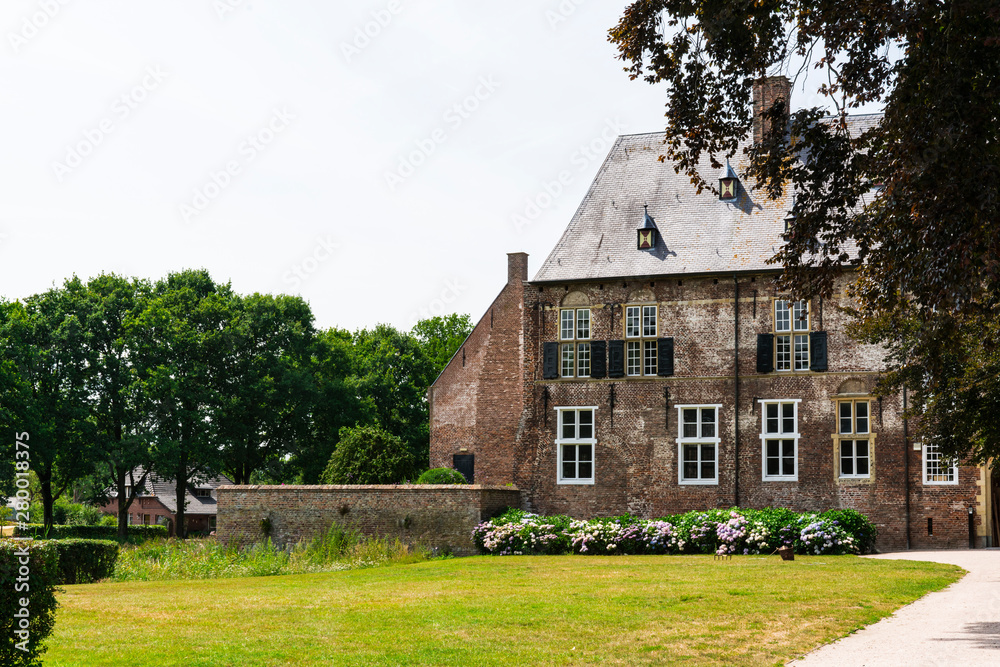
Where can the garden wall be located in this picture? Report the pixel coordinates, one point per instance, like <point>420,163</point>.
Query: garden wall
<point>440,516</point>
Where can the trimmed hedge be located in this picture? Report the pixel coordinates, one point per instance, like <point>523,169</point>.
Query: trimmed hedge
<point>732,531</point>
<point>38,591</point>
<point>441,476</point>
<point>85,561</point>
<point>135,533</point>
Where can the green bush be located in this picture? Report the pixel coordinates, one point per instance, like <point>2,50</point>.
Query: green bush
<point>441,476</point>
<point>722,531</point>
<point>857,524</point>
<point>135,533</point>
<point>38,591</point>
<point>85,561</point>
<point>368,455</point>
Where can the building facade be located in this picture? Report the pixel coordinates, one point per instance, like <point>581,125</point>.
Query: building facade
<point>154,502</point>
<point>652,366</point>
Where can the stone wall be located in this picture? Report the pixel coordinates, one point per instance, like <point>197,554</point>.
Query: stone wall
<point>440,516</point>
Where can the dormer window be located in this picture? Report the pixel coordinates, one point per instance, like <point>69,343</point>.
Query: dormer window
<point>203,493</point>
<point>728,184</point>
<point>647,233</point>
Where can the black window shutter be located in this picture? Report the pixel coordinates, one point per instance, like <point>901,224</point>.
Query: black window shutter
<point>598,359</point>
<point>664,356</point>
<point>765,353</point>
<point>550,361</point>
<point>616,358</point>
<point>817,351</point>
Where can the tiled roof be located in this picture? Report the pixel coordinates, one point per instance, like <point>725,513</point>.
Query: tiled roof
<point>165,490</point>
<point>698,232</point>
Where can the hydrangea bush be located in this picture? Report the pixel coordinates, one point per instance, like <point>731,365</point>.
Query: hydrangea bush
<point>732,531</point>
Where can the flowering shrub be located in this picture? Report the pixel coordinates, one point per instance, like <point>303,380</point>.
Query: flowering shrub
<point>732,531</point>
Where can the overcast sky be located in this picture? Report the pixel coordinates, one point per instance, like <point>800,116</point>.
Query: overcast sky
<point>380,158</point>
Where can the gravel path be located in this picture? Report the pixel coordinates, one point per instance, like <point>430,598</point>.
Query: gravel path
<point>957,626</point>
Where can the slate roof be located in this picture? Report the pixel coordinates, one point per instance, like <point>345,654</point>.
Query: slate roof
<point>698,232</point>
<point>165,491</point>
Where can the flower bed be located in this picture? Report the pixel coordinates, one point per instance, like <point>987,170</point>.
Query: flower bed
<point>732,531</point>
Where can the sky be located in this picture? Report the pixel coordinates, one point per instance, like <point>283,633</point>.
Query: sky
<point>378,158</point>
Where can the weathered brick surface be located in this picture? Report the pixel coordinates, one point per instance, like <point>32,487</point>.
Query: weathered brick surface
<point>636,457</point>
<point>484,375</point>
<point>438,516</point>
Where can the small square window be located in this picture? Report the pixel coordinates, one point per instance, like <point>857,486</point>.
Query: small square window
<point>938,470</point>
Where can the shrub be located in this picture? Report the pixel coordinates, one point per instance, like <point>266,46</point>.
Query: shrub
<point>441,476</point>
<point>368,455</point>
<point>732,531</point>
<point>856,524</point>
<point>39,592</point>
<point>85,561</point>
<point>135,533</point>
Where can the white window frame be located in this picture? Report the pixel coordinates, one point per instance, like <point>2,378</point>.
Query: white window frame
<point>560,441</point>
<point>797,334</point>
<point>641,352</point>
<point>780,435</point>
<point>928,448</point>
<point>699,440</point>
<point>854,435</point>
<point>570,347</point>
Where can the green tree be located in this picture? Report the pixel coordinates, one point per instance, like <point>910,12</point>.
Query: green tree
<point>369,455</point>
<point>391,376</point>
<point>442,336</point>
<point>336,403</point>
<point>44,339</point>
<point>183,333</point>
<point>265,383</point>
<point>117,404</point>
<point>916,193</point>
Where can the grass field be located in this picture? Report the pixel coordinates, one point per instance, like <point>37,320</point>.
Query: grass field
<point>554,610</point>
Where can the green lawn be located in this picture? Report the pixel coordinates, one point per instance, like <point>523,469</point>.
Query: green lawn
<point>494,611</point>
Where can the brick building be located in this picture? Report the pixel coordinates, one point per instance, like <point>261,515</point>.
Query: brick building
<point>155,502</point>
<point>652,366</point>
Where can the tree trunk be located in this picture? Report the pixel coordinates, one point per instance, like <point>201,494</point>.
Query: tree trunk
<point>45,483</point>
<point>123,504</point>
<point>181,478</point>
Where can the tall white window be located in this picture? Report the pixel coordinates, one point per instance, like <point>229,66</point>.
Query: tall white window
<point>574,347</point>
<point>640,343</point>
<point>698,444</point>
<point>854,439</point>
<point>791,335</point>
<point>576,441</point>
<point>780,440</point>
<point>938,469</point>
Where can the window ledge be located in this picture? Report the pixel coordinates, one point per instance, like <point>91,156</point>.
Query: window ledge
<point>576,482</point>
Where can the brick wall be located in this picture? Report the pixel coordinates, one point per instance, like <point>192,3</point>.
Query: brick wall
<point>636,456</point>
<point>439,516</point>
<point>477,401</point>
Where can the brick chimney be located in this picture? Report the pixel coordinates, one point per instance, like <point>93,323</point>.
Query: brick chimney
<point>767,92</point>
<point>517,267</point>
